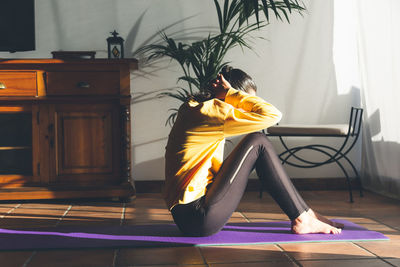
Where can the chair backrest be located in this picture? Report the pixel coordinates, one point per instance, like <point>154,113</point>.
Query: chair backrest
<point>355,121</point>
<point>353,132</point>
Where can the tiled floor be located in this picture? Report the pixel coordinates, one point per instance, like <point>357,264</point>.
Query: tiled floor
<point>373,211</point>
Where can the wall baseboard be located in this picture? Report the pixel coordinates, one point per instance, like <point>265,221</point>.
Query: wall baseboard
<point>254,184</point>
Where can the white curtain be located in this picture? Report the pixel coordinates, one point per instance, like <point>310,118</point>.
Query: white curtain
<point>378,42</point>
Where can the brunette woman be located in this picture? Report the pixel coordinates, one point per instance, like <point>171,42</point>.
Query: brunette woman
<point>203,189</point>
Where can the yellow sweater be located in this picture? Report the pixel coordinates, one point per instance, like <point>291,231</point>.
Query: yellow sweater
<point>195,148</point>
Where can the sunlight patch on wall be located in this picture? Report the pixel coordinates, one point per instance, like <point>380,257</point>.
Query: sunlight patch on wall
<point>345,47</point>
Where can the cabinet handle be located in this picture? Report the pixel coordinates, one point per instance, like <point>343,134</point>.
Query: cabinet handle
<point>83,85</point>
<point>2,86</point>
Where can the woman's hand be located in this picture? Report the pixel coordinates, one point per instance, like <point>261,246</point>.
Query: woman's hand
<point>220,87</point>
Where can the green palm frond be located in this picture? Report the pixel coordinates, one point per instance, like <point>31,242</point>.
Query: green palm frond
<point>191,80</point>
<point>172,117</point>
<point>181,94</point>
<point>238,12</point>
<point>170,48</point>
<point>277,7</point>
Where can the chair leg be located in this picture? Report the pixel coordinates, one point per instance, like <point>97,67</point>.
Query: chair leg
<point>358,178</point>
<point>350,189</point>
<point>347,179</point>
<point>360,185</point>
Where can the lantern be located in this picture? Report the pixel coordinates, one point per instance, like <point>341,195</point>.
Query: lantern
<point>115,46</point>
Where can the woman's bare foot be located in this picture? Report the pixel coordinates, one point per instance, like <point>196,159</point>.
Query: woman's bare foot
<point>307,224</point>
<point>318,216</point>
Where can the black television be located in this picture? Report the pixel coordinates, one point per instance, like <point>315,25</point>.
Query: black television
<point>17,25</point>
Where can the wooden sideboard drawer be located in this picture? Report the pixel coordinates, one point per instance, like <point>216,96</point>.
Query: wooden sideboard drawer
<point>14,83</point>
<point>83,83</point>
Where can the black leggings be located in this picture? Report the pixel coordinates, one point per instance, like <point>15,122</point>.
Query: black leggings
<point>207,215</point>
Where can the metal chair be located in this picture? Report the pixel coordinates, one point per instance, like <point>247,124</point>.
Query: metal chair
<point>349,132</point>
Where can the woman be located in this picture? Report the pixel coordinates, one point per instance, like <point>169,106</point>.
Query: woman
<point>203,190</point>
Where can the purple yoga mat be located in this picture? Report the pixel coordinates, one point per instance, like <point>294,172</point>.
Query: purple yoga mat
<point>168,235</point>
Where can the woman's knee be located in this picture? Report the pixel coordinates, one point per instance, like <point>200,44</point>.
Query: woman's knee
<point>257,138</point>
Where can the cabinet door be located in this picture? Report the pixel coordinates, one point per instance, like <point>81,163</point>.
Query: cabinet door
<point>18,136</point>
<point>84,140</point>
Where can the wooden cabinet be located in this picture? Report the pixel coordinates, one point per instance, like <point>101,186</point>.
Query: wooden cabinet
<point>65,129</point>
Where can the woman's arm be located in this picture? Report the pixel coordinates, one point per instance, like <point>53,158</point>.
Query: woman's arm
<point>248,113</point>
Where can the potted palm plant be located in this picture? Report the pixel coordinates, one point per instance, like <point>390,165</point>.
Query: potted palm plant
<point>202,60</point>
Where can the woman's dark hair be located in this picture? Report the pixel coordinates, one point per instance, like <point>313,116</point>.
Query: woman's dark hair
<point>239,80</point>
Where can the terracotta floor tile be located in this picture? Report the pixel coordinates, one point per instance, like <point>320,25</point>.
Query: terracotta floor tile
<point>393,222</point>
<point>132,213</point>
<point>117,208</point>
<point>237,217</point>
<point>9,205</point>
<point>80,214</point>
<point>4,211</point>
<point>345,263</point>
<point>154,256</point>
<point>267,216</point>
<point>73,258</point>
<point>393,236</point>
<point>38,212</point>
<point>26,218</point>
<point>395,262</point>
<point>22,223</point>
<point>148,203</point>
<point>166,265</point>
<point>263,220</point>
<point>148,200</point>
<point>99,217</point>
<point>343,250</point>
<point>45,206</point>
<point>357,220</point>
<point>378,227</point>
<point>285,263</point>
<point>237,220</point>
<point>237,254</point>
<point>383,248</point>
<point>380,210</point>
<point>263,206</point>
<point>14,258</point>
<point>141,218</point>
<point>88,222</point>
<point>139,210</point>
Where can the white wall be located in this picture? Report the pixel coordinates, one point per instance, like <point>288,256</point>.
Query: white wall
<point>294,67</point>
